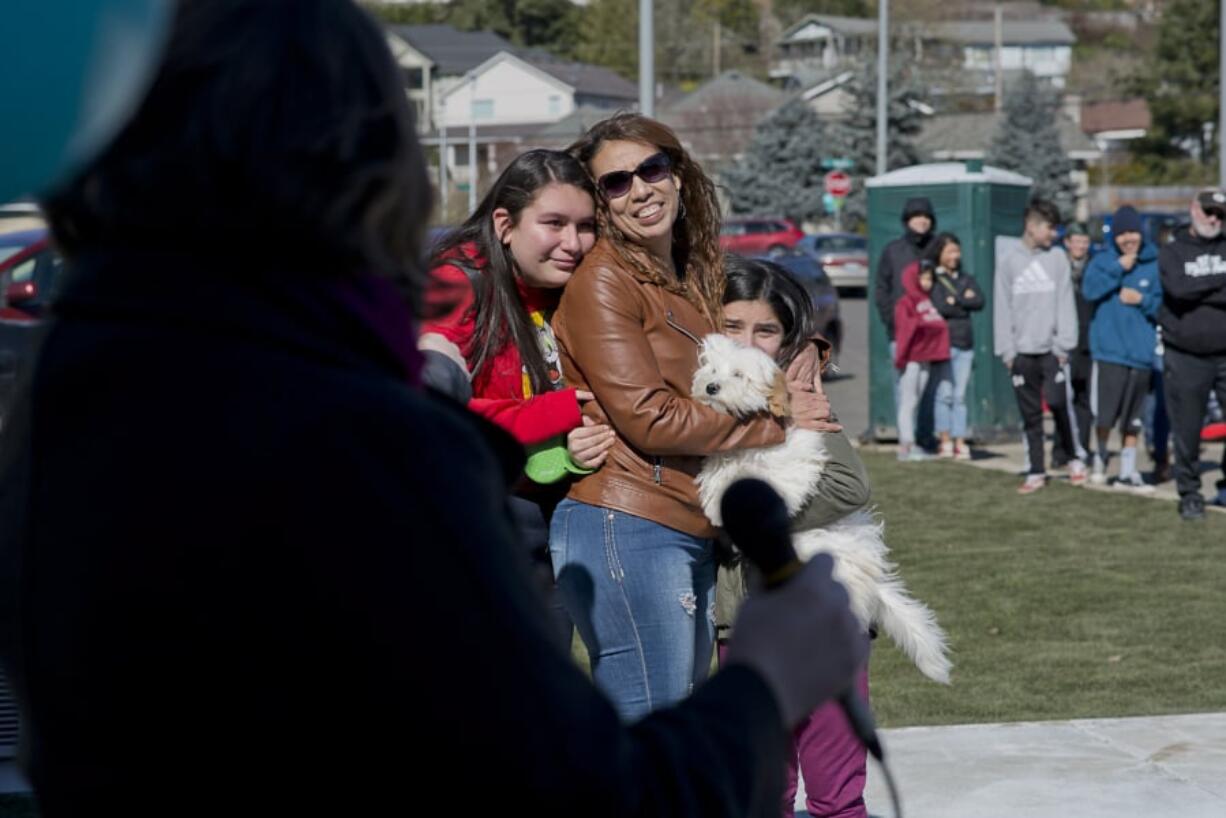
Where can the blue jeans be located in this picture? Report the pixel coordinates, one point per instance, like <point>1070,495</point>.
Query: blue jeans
<point>952,378</point>
<point>642,596</point>
<point>1157,423</point>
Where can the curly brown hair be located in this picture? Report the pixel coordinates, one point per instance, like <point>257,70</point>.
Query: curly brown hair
<point>696,254</point>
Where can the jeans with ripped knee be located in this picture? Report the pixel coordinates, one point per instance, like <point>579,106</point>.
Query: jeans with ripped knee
<point>642,596</point>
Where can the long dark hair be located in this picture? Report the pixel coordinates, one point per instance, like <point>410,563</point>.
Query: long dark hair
<point>276,138</point>
<point>758,280</point>
<point>933,253</point>
<point>499,313</point>
<point>696,253</point>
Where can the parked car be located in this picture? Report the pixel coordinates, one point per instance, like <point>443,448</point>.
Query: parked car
<point>29,273</point>
<point>808,271</point>
<point>844,257</point>
<point>1158,227</point>
<point>751,236</point>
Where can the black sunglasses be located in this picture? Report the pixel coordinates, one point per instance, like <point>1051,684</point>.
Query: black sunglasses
<point>651,170</point>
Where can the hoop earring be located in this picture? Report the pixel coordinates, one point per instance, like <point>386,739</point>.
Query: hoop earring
<point>681,211</point>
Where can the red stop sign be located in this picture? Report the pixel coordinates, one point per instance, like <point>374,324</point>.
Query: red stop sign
<point>838,183</point>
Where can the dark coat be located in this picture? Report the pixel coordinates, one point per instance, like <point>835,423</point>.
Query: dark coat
<point>249,568</point>
<point>895,257</point>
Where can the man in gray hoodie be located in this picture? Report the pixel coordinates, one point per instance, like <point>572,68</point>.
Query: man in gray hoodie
<point>1035,317</point>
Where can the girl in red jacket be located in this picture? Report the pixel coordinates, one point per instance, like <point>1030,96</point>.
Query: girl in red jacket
<point>494,284</point>
<point>922,339</point>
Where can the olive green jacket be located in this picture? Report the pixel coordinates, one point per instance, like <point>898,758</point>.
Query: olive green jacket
<point>842,489</point>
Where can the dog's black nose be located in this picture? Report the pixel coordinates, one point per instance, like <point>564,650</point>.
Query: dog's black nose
<point>712,389</point>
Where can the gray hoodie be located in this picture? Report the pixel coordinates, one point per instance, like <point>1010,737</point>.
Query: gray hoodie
<point>1034,309</point>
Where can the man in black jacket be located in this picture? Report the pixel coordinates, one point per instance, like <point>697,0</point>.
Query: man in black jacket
<point>1193,320</point>
<point>919,221</point>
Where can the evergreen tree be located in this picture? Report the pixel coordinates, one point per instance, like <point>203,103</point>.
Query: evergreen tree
<point>1027,141</point>
<point>781,171</point>
<point>855,137</point>
<point>789,12</point>
<point>1180,81</point>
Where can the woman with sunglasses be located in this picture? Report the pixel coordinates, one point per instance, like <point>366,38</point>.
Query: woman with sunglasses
<point>494,285</point>
<point>633,550</point>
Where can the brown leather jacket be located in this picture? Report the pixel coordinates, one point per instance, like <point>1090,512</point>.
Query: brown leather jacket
<point>634,345</point>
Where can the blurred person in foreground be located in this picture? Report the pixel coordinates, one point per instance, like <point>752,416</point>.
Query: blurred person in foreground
<point>246,558</point>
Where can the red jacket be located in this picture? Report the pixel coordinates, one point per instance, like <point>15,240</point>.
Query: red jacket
<point>501,391</point>
<point>919,330</point>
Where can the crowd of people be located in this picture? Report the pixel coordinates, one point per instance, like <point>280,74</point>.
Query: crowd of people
<point>272,517</point>
<point>1131,338</point>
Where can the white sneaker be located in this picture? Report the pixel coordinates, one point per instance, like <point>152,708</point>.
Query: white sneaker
<point>1098,473</point>
<point>946,451</point>
<point>1077,473</point>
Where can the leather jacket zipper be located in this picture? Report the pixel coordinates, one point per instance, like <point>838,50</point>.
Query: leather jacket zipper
<point>657,469</point>
<point>672,322</point>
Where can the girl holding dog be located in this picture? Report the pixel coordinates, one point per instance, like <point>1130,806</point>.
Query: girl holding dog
<point>633,550</point>
<point>766,308</point>
<point>494,285</point>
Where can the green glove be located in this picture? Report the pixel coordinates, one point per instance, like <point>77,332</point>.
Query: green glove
<point>550,461</point>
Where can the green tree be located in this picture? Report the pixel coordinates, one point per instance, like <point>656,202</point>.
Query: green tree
<point>552,25</point>
<point>855,137</point>
<point>549,24</point>
<point>1028,141</point>
<point>610,36</point>
<point>781,171</point>
<point>415,14</point>
<point>1180,81</point>
<point>790,11</point>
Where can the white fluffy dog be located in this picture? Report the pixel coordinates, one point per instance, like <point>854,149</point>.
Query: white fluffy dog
<point>743,381</point>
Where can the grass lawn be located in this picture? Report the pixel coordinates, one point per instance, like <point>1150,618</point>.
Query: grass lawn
<point>1063,604</point>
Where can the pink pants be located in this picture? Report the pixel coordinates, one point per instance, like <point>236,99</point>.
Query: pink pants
<point>831,758</point>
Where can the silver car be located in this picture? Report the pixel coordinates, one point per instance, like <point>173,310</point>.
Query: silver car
<point>843,256</point>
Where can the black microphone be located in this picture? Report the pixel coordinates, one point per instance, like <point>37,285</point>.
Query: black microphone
<point>756,519</point>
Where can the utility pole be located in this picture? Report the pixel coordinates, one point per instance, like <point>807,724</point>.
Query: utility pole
<point>647,54</point>
<point>1221,88</point>
<point>883,62</point>
<point>715,47</point>
<point>472,143</point>
<point>442,156</point>
<point>1000,63</point>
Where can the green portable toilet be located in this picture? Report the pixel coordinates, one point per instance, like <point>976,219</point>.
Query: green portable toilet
<point>977,204</point>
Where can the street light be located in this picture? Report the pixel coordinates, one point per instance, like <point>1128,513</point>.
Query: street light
<point>647,54</point>
<point>883,47</point>
<point>472,142</point>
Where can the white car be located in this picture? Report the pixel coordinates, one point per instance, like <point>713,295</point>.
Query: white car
<point>843,256</point>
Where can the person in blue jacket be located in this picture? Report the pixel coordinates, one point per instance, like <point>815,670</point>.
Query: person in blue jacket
<point>1125,292</point>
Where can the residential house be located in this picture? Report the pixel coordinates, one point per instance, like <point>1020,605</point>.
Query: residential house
<point>716,120</point>
<point>823,41</point>
<point>1112,124</point>
<point>434,59</point>
<point>826,43</point>
<point>503,103</point>
<point>532,88</point>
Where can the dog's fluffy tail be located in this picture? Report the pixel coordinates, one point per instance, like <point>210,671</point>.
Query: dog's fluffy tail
<point>913,627</point>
